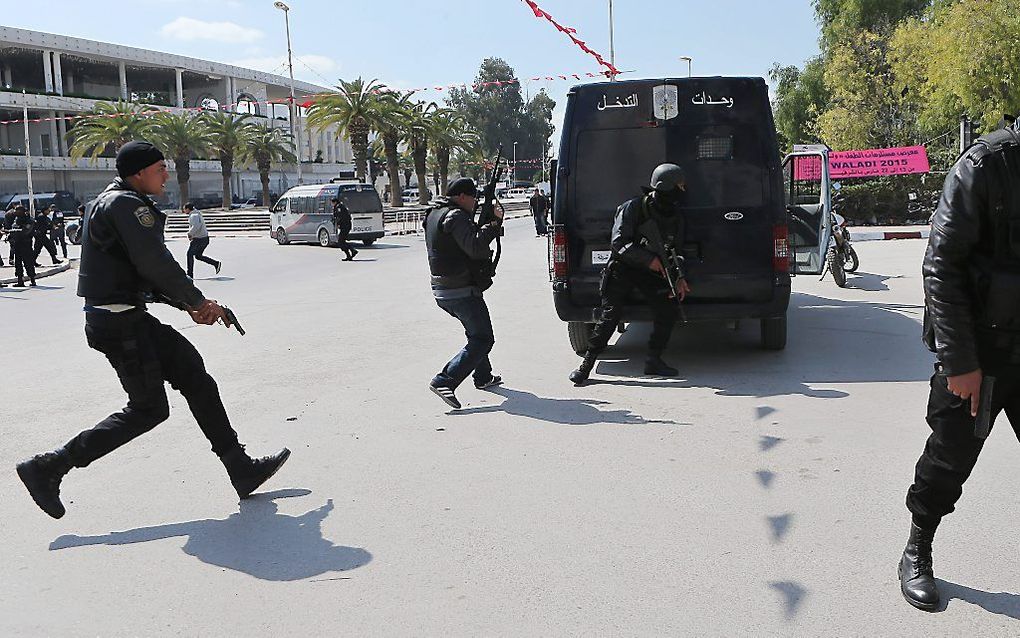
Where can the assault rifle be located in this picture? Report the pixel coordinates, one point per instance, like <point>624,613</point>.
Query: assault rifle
<point>674,273</point>
<point>488,203</point>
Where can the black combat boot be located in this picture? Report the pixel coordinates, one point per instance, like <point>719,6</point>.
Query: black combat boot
<point>579,376</point>
<point>247,474</point>
<point>41,474</point>
<point>656,367</point>
<point>917,581</point>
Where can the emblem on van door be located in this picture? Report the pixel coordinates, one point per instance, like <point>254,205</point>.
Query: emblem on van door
<point>734,216</point>
<point>665,103</point>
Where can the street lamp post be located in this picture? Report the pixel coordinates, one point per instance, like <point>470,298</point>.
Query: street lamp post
<point>513,174</point>
<point>688,60</point>
<point>612,44</point>
<point>295,112</point>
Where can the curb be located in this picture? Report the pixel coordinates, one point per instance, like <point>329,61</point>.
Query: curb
<point>43,272</point>
<point>878,235</point>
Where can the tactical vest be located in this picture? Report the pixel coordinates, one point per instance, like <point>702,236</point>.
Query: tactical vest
<point>450,266</point>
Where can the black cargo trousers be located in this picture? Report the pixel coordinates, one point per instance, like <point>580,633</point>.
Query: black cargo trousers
<point>952,449</point>
<point>146,353</point>
<point>619,280</point>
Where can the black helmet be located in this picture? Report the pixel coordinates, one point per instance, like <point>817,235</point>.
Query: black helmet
<point>666,177</point>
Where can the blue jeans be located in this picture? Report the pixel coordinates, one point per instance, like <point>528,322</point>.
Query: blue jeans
<point>474,357</point>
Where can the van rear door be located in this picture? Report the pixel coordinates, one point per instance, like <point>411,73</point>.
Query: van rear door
<point>808,204</point>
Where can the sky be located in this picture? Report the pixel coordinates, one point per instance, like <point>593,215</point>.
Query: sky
<point>417,43</point>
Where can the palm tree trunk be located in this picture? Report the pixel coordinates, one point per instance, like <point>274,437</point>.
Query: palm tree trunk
<point>443,159</point>
<point>390,142</point>
<point>420,154</point>
<point>359,145</point>
<point>182,164</point>
<point>264,168</point>
<point>226,168</point>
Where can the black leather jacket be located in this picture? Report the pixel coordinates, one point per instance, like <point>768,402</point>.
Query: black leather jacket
<point>123,254</point>
<point>640,235</point>
<point>962,244</point>
<point>458,249</point>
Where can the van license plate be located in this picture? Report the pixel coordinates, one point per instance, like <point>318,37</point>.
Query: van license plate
<point>600,257</point>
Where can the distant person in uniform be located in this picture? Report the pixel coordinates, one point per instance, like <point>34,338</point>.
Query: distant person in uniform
<point>539,206</point>
<point>21,231</point>
<point>41,231</point>
<point>343,222</point>
<point>58,234</point>
<point>8,223</point>
<point>199,236</point>
<point>124,260</point>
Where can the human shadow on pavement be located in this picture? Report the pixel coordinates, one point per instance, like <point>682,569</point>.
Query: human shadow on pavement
<point>1002,603</point>
<point>257,540</point>
<point>831,341</point>
<point>562,411</point>
<point>870,281</point>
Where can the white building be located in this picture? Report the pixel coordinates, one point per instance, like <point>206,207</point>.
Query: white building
<point>63,77</point>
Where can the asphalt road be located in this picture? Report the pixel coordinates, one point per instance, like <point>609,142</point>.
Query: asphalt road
<point>760,494</point>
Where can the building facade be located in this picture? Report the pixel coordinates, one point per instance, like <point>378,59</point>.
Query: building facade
<point>59,78</point>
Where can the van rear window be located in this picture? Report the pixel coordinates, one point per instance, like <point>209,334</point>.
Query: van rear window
<point>715,147</point>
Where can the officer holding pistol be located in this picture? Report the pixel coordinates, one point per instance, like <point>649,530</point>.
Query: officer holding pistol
<point>972,323</point>
<point>647,234</point>
<point>123,260</point>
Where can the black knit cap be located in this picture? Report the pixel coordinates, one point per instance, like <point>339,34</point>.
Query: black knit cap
<point>462,186</point>
<point>136,156</point>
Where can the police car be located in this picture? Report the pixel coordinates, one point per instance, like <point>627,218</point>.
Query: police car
<point>304,214</point>
<point>743,241</point>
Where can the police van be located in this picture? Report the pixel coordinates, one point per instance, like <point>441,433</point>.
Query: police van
<point>304,214</point>
<point>739,249</point>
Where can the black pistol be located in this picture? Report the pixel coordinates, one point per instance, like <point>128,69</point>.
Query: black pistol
<point>232,318</point>
<point>983,423</point>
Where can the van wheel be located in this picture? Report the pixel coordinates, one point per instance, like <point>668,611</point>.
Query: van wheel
<point>368,242</point>
<point>836,267</point>
<point>773,333</point>
<point>281,237</point>
<point>324,238</point>
<point>579,333</point>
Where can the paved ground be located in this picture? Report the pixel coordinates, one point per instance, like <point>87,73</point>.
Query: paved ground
<point>761,494</point>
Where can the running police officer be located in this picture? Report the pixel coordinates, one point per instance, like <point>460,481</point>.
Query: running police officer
<point>41,230</point>
<point>972,323</point>
<point>123,260</point>
<point>58,233</point>
<point>647,233</point>
<point>461,267</point>
<point>343,222</point>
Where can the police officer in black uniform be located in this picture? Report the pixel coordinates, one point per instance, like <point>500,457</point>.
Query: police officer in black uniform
<point>343,222</point>
<point>58,232</point>
<point>647,232</point>
<point>123,261</point>
<point>461,265</point>
<point>41,230</point>
<point>21,230</point>
<point>972,322</point>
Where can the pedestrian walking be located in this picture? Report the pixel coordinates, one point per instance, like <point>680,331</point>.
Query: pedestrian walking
<point>123,259</point>
<point>647,230</point>
<point>198,235</point>
<point>343,222</point>
<point>539,206</point>
<point>461,267</point>
<point>21,231</point>
<point>58,233</point>
<point>971,274</point>
<point>41,232</point>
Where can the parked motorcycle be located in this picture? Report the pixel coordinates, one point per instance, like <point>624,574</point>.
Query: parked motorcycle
<point>841,258</point>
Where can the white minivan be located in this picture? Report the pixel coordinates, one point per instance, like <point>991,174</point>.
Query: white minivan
<point>305,214</point>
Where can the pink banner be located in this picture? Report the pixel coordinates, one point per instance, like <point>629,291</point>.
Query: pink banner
<point>877,162</point>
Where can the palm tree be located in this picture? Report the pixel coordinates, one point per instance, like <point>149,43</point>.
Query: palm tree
<point>407,168</point>
<point>449,131</point>
<point>391,135</point>
<point>108,124</point>
<point>417,124</point>
<point>268,145</point>
<point>231,133</point>
<point>182,137</point>
<point>355,109</point>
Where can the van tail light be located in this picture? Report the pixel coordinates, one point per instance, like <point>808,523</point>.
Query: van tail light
<point>558,252</point>
<point>781,241</point>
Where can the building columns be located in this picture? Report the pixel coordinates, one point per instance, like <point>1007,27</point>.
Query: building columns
<point>58,78</point>
<point>122,68</point>
<point>62,133</point>
<point>228,85</point>
<point>47,71</point>
<point>180,88</point>
<point>54,140</point>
